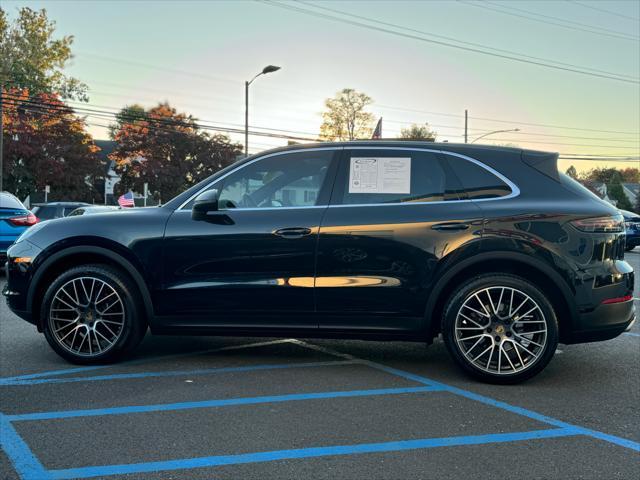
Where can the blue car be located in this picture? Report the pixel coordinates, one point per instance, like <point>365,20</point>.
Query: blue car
<point>632,227</point>
<point>14,219</point>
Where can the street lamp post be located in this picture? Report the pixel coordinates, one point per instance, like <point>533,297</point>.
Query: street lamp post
<point>497,131</point>
<point>265,70</point>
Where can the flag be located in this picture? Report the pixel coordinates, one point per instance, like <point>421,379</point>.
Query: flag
<point>126,200</point>
<point>377,133</point>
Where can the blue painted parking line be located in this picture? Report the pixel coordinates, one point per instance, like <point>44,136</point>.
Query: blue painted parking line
<point>622,442</point>
<point>397,446</point>
<point>177,373</point>
<point>172,356</point>
<point>98,412</point>
<point>24,461</point>
<point>632,334</point>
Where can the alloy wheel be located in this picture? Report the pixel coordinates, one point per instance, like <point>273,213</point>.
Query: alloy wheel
<point>86,316</point>
<point>501,330</point>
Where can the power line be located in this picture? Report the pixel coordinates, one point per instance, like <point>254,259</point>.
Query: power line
<point>529,12</point>
<point>611,76</point>
<point>547,22</point>
<point>422,32</point>
<point>603,10</point>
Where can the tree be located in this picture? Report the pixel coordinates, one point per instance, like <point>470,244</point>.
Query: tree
<point>616,192</point>
<point>45,143</point>
<point>32,59</point>
<point>167,150</point>
<point>572,172</point>
<point>630,175</point>
<point>603,175</point>
<point>418,132</point>
<point>345,117</point>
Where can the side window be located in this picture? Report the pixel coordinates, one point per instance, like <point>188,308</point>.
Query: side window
<point>285,180</point>
<point>387,176</point>
<point>68,210</point>
<point>76,212</point>
<point>474,181</point>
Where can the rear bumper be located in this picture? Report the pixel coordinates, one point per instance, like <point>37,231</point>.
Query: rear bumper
<point>604,323</point>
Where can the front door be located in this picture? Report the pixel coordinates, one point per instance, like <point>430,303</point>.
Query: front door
<point>252,262</point>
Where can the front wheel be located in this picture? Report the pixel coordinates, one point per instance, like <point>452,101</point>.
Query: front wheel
<point>500,328</point>
<point>90,314</point>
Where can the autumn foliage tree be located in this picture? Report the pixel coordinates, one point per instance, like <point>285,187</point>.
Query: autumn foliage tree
<point>45,143</point>
<point>166,149</point>
<point>346,118</point>
<point>418,132</point>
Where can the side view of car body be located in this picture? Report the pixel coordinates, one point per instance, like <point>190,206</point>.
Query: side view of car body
<point>490,247</point>
<point>14,220</point>
<point>632,225</point>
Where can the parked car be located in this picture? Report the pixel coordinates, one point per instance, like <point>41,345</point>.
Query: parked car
<point>91,209</point>
<point>632,225</point>
<point>491,247</point>
<point>51,210</point>
<point>14,219</point>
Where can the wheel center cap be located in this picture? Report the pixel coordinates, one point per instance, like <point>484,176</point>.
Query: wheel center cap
<point>500,329</point>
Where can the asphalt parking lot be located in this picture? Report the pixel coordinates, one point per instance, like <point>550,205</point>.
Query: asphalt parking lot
<point>256,408</point>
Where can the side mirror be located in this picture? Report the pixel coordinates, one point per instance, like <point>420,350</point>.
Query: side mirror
<point>204,203</point>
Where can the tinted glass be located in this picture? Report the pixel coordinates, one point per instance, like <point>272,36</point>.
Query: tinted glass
<point>76,212</point>
<point>287,180</point>
<point>68,210</point>
<point>473,180</point>
<point>44,212</point>
<point>9,201</point>
<point>387,176</point>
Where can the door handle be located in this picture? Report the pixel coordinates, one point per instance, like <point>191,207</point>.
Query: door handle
<point>294,232</point>
<point>452,226</point>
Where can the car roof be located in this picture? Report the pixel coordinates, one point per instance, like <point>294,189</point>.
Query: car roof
<point>400,143</point>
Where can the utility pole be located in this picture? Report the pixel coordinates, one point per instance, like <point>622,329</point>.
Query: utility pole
<point>466,124</point>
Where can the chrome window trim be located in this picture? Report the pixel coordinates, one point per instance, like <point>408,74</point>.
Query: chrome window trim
<point>515,191</point>
<point>252,162</point>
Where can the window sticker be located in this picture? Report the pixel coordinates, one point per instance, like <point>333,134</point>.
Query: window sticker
<point>380,175</point>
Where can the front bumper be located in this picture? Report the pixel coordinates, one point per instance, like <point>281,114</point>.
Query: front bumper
<point>19,277</point>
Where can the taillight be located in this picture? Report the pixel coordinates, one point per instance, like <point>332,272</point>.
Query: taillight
<point>24,220</point>
<point>613,224</point>
<point>626,298</point>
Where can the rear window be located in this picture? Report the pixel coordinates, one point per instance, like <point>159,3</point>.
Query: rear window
<point>9,201</point>
<point>44,212</point>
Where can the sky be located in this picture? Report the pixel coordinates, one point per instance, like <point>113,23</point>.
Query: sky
<point>197,54</point>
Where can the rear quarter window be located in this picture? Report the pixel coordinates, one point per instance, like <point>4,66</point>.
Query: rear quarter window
<point>474,181</point>
<point>44,213</point>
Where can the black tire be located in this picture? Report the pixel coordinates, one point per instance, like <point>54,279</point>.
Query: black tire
<point>129,334</point>
<point>495,283</point>
<point>628,248</point>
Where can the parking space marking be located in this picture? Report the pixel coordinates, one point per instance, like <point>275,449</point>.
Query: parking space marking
<point>215,461</point>
<point>622,442</point>
<point>24,461</point>
<point>177,373</point>
<point>29,467</point>
<point>52,373</point>
<point>632,334</point>
<point>98,412</point>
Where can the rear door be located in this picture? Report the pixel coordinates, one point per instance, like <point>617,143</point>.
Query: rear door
<point>394,214</point>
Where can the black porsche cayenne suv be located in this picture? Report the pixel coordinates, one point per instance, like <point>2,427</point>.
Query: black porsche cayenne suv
<point>490,247</point>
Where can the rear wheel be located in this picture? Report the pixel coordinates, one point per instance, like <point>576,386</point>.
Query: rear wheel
<point>500,328</point>
<point>91,314</point>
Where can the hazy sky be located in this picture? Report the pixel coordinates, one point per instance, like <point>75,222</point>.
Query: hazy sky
<point>197,54</point>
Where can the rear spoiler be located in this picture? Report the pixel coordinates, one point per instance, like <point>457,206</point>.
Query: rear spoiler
<point>545,162</point>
